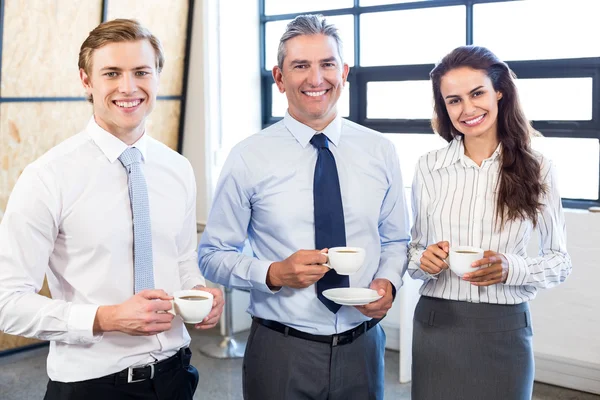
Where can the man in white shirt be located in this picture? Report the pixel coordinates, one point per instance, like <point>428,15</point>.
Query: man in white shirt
<point>109,217</point>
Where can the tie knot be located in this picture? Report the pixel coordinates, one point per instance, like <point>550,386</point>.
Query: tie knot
<point>319,141</point>
<point>130,156</point>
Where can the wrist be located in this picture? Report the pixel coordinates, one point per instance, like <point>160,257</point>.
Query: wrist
<point>273,281</point>
<point>103,320</point>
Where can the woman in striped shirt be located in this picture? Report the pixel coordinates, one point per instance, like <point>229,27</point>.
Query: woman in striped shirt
<point>488,189</point>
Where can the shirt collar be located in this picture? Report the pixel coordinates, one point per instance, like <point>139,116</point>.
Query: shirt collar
<point>456,152</point>
<point>304,133</point>
<point>110,145</point>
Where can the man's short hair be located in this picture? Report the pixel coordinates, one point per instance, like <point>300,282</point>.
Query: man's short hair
<point>308,24</point>
<point>118,30</point>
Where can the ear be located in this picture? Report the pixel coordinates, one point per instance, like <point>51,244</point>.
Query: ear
<point>345,72</point>
<point>85,81</point>
<point>498,96</point>
<point>278,78</point>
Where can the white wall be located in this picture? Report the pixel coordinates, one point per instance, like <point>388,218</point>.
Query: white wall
<point>566,319</point>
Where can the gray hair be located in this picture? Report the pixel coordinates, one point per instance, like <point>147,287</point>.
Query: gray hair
<point>308,24</point>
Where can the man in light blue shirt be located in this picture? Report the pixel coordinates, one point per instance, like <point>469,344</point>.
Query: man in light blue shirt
<point>302,346</point>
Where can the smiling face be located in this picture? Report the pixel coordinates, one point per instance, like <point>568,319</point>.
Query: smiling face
<point>312,77</point>
<point>471,102</point>
<point>123,82</point>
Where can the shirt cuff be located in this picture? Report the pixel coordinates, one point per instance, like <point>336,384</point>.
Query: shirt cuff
<point>517,270</point>
<point>80,324</point>
<point>258,276</point>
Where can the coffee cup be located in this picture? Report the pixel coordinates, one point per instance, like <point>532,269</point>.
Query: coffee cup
<point>461,258</point>
<point>345,260</point>
<point>191,305</point>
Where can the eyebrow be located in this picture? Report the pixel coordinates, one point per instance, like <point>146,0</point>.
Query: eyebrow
<point>121,69</point>
<point>329,59</point>
<point>471,92</point>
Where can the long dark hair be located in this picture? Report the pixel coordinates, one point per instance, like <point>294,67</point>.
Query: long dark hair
<point>520,186</point>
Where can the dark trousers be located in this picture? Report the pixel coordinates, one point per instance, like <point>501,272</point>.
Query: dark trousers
<point>280,367</point>
<point>471,351</point>
<point>176,384</point>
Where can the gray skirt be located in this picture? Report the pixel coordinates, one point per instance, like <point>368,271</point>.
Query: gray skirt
<point>471,351</point>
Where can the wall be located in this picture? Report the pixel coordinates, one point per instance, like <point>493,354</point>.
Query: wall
<point>566,319</point>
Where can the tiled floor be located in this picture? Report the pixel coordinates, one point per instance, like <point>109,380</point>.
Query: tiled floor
<point>23,376</point>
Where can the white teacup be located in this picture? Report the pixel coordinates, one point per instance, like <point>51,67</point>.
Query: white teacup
<point>191,305</point>
<point>461,258</point>
<point>345,260</point>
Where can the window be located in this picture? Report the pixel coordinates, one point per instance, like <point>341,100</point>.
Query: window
<point>392,46</point>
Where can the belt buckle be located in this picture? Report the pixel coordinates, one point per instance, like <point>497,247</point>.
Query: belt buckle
<point>334,341</point>
<point>130,374</point>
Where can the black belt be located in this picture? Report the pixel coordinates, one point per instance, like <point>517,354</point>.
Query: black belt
<point>150,371</point>
<point>334,340</point>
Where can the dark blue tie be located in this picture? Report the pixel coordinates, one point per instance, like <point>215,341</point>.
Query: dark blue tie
<point>330,230</point>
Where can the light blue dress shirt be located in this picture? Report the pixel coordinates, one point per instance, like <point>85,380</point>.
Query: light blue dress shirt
<point>265,194</point>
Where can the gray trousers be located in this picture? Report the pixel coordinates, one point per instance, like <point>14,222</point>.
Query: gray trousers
<point>469,351</point>
<point>279,367</point>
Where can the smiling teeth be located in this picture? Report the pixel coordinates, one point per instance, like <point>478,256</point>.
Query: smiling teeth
<point>475,121</point>
<point>128,104</point>
<point>315,94</point>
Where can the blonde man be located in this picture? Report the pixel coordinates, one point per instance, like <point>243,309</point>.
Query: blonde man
<point>109,217</point>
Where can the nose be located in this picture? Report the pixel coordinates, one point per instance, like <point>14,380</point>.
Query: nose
<point>469,108</point>
<point>127,84</point>
<point>315,77</point>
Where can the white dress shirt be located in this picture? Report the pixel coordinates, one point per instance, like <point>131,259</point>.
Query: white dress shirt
<point>454,200</point>
<point>265,193</point>
<point>69,217</point>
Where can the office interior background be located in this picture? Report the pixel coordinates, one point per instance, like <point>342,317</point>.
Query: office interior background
<point>216,89</point>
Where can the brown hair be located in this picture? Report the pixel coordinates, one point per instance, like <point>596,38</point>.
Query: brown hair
<point>118,30</point>
<point>520,186</point>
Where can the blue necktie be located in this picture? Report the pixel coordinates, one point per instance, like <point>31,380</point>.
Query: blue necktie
<point>143,276</point>
<point>330,230</point>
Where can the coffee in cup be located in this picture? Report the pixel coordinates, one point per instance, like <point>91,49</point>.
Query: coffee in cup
<point>461,258</point>
<point>191,305</point>
<point>345,260</point>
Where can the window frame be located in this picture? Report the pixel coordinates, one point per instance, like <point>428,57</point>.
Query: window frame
<point>359,76</point>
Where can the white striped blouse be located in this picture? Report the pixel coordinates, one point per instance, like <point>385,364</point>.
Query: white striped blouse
<point>454,199</point>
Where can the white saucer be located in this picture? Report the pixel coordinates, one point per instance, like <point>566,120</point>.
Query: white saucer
<point>351,296</point>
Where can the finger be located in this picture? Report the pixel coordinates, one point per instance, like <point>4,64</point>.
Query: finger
<point>159,305</point>
<point>204,326</point>
<point>444,245</point>
<point>152,294</point>
<point>313,257</point>
<point>487,278</point>
<point>437,252</point>
<point>486,260</point>
<point>430,267</point>
<point>482,273</point>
